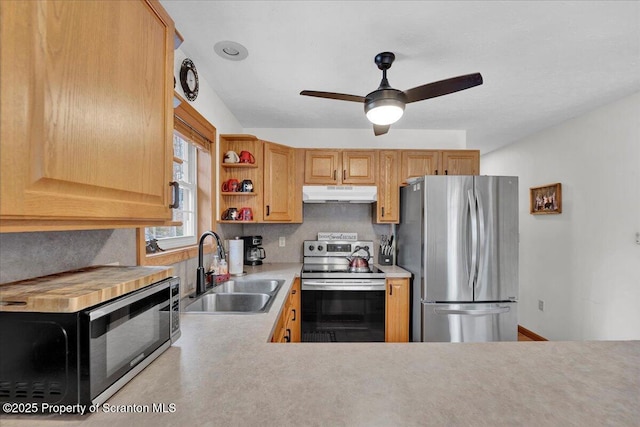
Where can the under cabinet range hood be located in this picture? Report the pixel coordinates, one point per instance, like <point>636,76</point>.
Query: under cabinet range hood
<point>339,193</point>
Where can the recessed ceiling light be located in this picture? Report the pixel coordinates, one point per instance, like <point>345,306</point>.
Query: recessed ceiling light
<point>231,50</point>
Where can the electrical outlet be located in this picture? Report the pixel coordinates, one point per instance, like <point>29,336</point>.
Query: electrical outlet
<point>281,242</point>
<point>540,305</point>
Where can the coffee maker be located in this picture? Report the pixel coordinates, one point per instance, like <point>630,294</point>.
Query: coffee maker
<point>253,250</point>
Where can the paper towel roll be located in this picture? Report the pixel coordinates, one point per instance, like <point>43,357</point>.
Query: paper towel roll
<point>236,256</point>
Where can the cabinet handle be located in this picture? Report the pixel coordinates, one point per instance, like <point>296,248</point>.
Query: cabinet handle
<point>294,314</point>
<point>383,211</point>
<point>390,289</point>
<point>446,172</point>
<point>268,210</point>
<point>344,174</point>
<point>436,171</point>
<point>287,337</point>
<point>334,174</point>
<point>176,195</point>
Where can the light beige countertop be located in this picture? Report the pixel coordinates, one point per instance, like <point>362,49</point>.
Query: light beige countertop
<point>224,372</point>
<point>393,271</point>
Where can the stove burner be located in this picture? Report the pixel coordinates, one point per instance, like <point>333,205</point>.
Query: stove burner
<point>359,270</point>
<point>330,260</point>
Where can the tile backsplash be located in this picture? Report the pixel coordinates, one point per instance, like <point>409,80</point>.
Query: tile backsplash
<point>27,255</point>
<point>341,217</point>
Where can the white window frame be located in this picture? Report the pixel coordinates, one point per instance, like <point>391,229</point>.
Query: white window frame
<point>188,205</point>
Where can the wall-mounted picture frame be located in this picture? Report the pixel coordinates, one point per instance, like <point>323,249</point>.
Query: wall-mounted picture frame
<point>546,199</point>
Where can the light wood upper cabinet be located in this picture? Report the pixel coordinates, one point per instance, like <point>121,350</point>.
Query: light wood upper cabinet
<point>334,167</point>
<point>87,114</point>
<point>282,193</point>
<point>359,167</point>
<point>417,163</point>
<point>321,167</point>
<point>387,206</point>
<point>397,310</point>
<point>460,162</point>
<point>275,175</point>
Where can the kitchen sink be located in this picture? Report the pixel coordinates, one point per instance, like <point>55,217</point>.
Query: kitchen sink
<point>248,286</point>
<point>237,297</point>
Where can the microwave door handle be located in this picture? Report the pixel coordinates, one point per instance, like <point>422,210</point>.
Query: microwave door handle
<point>127,300</point>
<point>474,237</point>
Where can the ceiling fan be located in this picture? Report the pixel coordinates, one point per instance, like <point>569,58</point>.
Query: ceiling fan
<point>385,105</point>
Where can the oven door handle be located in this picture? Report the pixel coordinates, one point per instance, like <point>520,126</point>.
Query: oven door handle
<point>342,286</point>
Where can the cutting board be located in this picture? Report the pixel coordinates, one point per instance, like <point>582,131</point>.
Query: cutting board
<point>76,290</point>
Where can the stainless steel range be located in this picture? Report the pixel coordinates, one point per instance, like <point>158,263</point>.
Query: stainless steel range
<point>343,294</point>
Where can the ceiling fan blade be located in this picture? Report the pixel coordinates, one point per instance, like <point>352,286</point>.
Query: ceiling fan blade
<point>332,95</point>
<point>380,129</point>
<point>443,87</point>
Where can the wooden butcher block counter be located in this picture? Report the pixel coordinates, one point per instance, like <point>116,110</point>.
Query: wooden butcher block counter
<point>76,290</point>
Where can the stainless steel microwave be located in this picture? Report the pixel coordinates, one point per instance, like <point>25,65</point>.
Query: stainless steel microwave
<point>83,358</point>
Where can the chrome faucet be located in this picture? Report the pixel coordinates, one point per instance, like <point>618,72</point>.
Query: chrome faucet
<point>201,283</point>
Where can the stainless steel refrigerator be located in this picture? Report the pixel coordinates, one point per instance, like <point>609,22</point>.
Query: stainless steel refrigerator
<point>458,236</point>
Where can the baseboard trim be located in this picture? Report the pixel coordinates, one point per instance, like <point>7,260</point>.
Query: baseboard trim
<point>524,331</point>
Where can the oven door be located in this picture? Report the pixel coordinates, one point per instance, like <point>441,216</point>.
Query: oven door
<point>336,310</point>
<point>124,337</point>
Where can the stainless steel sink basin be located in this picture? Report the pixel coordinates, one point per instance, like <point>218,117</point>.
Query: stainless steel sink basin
<point>230,303</point>
<point>248,286</point>
<point>237,297</point>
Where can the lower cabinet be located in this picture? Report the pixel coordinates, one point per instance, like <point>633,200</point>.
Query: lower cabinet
<point>397,310</point>
<point>288,328</point>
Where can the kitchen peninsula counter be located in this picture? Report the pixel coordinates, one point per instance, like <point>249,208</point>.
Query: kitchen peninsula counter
<point>223,371</point>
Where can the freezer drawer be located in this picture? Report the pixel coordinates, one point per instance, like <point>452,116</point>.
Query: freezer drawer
<point>476,322</point>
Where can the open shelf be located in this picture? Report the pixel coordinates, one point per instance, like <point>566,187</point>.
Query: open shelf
<point>239,193</point>
<point>239,165</point>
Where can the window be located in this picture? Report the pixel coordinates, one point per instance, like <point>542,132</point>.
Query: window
<point>194,170</point>
<point>185,170</point>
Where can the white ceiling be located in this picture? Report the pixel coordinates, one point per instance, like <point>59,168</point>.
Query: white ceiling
<point>542,62</point>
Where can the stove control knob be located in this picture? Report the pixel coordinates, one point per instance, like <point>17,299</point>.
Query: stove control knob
<point>311,247</point>
<point>320,248</point>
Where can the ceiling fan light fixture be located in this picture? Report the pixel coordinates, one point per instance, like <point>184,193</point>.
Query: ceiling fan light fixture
<point>384,111</point>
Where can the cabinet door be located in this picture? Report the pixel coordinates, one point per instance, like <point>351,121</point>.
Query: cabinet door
<point>418,163</point>
<point>359,167</point>
<point>461,162</point>
<point>86,111</point>
<point>296,325</point>
<point>279,185</point>
<point>387,207</point>
<point>397,311</point>
<point>321,167</point>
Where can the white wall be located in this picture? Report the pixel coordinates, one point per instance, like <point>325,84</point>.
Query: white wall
<point>584,263</point>
<point>363,138</point>
<point>207,103</point>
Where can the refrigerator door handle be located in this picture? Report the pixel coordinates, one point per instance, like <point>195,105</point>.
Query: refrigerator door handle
<point>474,239</point>
<point>497,310</point>
<point>482,235</point>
